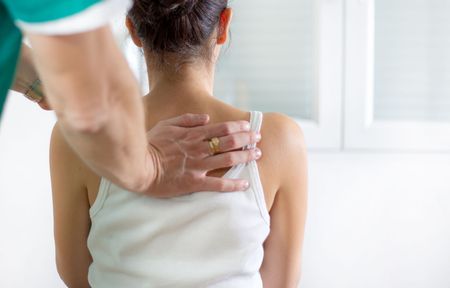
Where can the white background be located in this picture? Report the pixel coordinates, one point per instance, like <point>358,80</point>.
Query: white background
<point>375,219</point>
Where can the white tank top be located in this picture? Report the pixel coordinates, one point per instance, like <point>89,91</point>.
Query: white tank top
<point>205,239</point>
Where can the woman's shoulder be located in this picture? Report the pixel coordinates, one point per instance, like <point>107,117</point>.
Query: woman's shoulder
<point>65,162</point>
<point>60,150</point>
<point>282,141</point>
<point>281,133</point>
<point>283,123</point>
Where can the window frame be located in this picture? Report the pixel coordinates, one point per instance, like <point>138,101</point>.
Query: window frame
<point>324,130</point>
<point>361,129</point>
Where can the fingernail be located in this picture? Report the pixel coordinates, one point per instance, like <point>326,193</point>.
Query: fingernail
<point>258,137</point>
<point>258,153</point>
<point>245,186</point>
<point>247,126</point>
<point>203,117</point>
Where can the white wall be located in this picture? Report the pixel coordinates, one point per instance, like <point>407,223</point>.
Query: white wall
<point>375,219</point>
<point>378,220</point>
<point>26,242</point>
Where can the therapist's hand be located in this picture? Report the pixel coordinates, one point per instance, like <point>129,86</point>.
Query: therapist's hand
<point>182,158</point>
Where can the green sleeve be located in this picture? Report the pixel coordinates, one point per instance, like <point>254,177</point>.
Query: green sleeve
<point>35,11</point>
<point>10,45</point>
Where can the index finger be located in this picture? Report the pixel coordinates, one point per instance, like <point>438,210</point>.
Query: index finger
<point>224,129</point>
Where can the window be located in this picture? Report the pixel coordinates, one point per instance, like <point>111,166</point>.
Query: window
<point>267,67</point>
<point>412,60</point>
<point>397,65</point>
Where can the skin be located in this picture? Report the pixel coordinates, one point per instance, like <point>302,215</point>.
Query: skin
<point>26,74</point>
<point>283,172</point>
<point>100,113</point>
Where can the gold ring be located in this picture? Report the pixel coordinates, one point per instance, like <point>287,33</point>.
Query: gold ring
<point>214,145</point>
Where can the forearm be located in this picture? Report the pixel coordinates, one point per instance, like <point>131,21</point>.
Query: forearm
<point>114,145</point>
<point>97,101</point>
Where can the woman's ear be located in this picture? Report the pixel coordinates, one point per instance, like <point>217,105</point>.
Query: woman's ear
<point>224,26</point>
<point>132,30</point>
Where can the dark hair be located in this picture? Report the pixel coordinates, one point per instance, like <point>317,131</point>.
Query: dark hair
<point>180,27</point>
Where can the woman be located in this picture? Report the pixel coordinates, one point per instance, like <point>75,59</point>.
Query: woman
<point>108,237</point>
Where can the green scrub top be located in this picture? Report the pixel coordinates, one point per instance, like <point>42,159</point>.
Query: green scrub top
<point>30,12</point>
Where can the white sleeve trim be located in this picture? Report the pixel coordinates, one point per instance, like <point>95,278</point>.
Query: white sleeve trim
<point>96,16</point>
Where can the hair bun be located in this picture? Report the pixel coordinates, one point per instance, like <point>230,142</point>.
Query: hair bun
<point>176,8</point>
<point>179,30</point>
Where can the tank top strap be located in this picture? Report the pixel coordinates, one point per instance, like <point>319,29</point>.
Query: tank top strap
<point>256,119</point>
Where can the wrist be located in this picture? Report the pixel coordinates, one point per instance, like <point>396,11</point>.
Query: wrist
<point>26,74</point>
<point>152,170</point>
<point>34,91</point>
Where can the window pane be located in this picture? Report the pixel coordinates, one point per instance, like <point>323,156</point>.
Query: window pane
<point>412,60</point>
<point>269,65</point>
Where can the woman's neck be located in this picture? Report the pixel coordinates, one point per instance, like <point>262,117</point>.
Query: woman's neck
<point>187,90</point>
<point>187,83</point>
